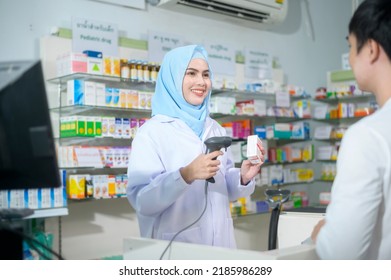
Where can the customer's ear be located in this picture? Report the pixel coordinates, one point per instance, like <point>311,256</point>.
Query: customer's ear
<point>374,50</point>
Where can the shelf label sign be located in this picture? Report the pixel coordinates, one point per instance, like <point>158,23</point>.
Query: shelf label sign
<point>94,36</point>
<point>221,58</point>
<point>160,43</point>
<point>258,64</point>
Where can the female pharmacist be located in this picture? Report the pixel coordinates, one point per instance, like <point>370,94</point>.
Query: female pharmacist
<point>168,167</point>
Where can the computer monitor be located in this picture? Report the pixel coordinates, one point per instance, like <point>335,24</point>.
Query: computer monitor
<point>27,150</point>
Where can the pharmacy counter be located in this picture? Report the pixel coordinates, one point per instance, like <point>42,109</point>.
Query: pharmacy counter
<point>152,249</point>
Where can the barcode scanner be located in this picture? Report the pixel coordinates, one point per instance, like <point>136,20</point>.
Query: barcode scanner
<point>214,144</point>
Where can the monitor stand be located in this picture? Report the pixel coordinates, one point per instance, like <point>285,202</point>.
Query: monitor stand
<point>11,232</point>
<point>11,243</point>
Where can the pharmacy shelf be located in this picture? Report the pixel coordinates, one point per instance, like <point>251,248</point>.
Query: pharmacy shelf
<point>281,141</point>
<point>340,120</point>
<point>279,119</point>
<point>268,163</point>
<point>327,160</point>
<point>94,168</point>
<point>347,98</point>
<point>89,199</point>
<point>332,140</point>
<point>100,111</point>
<point>96,141</point>
<point>325,180</point>
<point>119,82</point>
<point>241,95</point>
<point>49,212</point>
<point>285,184</point>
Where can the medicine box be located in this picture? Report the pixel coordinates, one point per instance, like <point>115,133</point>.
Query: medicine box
<point>132,99</point>
<point>70,63</point>
<point>279,131</point>
<point>4,199</point>
<point>223,105</point>
<point>105,186</point>
<point>94,62</point>
<point>16,199</point>
<point>144,100</point>
<point>77,186</point>
<point>90,126</point>
<point>98,126</point>
<point>96,182</point>
<point>89,93</point>
<point>75,92</point>
<point>89,186</point>
<point>245,107</point>
<point>108,96</point>
<point>45,198</point>
<point>260,131</point>
<point>254,149</point>
<point>111,66</point>
<point>31,198</point>
<point>300,130</point>
<point>115,97</point>
<point>59,196</point>
<point>123,93</point>
<point>302,109</point>
<point>126,128</point>
<point>118,128</point>
<point>251,107</point>
<point>72,126</point>
<point>100,94</point>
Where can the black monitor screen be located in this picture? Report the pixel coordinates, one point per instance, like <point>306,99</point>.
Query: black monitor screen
<point>27,150</point>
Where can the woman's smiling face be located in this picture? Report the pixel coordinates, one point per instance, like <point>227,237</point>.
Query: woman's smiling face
<point>196,82</point>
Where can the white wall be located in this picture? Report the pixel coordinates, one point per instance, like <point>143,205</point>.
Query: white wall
<point>307,45</point>
<point>304,58</point>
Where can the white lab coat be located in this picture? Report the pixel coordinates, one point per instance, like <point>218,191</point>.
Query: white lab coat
<point>358,219</point>
<point>164,202</point>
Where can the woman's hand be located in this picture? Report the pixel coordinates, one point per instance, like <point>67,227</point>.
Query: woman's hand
<point>202,167</point>
<point>249,170</point>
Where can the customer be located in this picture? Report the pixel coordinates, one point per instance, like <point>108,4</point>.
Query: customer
<point>168,167</point>
<point>358,220</point>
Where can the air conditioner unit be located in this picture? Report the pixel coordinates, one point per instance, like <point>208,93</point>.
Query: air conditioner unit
<point>249,13</point>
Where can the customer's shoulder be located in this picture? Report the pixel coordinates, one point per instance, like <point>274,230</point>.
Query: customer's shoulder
<point>377,123</point>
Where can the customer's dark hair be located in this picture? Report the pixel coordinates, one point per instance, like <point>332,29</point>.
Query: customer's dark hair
<point>372,20</point>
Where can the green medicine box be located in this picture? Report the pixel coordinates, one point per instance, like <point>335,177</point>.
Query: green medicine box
<point>74,126</point>
<point>90,126</point>
<point>98,126</point>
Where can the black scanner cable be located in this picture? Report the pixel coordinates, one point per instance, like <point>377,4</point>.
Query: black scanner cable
<point>193,223</point>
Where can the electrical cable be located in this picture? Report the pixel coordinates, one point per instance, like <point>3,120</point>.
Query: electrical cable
<point>185,228</point>
<point>31,240</point>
